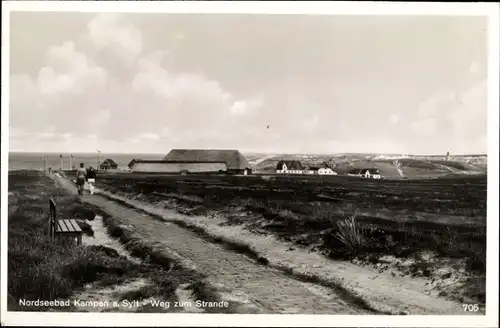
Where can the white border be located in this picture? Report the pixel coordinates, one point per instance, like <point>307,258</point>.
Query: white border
<point>294,7</point>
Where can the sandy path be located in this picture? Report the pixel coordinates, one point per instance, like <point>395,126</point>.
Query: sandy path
<point>265,290</point>
<point>382,290</point>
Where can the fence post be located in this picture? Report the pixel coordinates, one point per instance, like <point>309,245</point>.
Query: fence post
<point>50,221</point>
<point>52,216</point>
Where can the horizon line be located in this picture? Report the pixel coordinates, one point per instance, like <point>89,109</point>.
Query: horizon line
<point>254,152</point>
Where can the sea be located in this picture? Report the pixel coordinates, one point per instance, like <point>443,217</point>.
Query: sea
<point>35,161</point>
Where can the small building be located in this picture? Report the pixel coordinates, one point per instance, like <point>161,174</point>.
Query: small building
<point>370,173</point>
<point>323,169</point>
<point>132,162</point>
<point>289,167</point>
<point>326,171</point>
<point>226,160</point>
<point>108,164</point>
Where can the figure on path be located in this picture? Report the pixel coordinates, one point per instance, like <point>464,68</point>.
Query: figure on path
<point>81,176</point>
<point>91,175</point>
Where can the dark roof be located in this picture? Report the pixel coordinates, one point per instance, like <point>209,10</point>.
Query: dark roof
<point>109,161</point>
<point>317,166</point>
<point>325,165</point>
<point>161,161</point>
<point>133,161</point>
<point>233,159</point>
<point>291,165</point>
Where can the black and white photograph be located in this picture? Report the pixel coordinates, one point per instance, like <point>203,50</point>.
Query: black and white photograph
<point>249,161</point>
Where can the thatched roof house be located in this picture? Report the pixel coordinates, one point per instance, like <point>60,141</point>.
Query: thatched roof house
<point>289,165</point>
<point>108,164</point>
<point>233,159</point>
<point>132,162</point>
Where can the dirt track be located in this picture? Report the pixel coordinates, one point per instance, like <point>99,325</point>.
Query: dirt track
<point>257,288</point>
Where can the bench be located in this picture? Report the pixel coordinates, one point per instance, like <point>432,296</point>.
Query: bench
<point>68,228</point>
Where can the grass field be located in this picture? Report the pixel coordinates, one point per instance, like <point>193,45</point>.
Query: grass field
<point>43,269</point>
<point>430,224</point>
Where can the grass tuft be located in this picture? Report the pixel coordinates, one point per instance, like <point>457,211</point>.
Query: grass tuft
<point>350,235</point>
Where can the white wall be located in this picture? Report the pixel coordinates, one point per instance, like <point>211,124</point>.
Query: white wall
<point>292,171</point>
<point>178,167</point>
<point>326,171</point>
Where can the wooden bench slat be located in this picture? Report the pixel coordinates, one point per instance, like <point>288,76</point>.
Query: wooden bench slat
<point>68,226</point>
<point>76,227</point>
<point>65,224</point>
<point>59,226</point>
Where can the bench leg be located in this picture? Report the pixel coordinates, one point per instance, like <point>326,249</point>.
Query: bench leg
<point>79,242</point>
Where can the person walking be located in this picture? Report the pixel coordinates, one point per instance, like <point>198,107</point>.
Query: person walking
<point>91,175</point>
<point>81,176</point>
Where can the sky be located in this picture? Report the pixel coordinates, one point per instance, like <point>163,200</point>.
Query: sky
<point>147,83</point>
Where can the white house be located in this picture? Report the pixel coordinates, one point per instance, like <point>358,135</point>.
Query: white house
<point>371,173</point>
<point>326,171</point>
<point>323,169</point>
<point>289,167</point>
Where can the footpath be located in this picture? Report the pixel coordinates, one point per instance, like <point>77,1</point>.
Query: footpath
<point>258,288</point>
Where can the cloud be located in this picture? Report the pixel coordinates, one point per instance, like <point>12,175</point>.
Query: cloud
<point>240,107</point>
<point>153,78</point>
<point>100,87</point>
<point>61,86</point>
<point>459,117</point>
<point>394,118</point>
<point>146,137</point>
<point>117,39</point>
<point>112,84</point>
<point>99,119</point>
<point>309,124</point>
<point>69,71</point>
<point>180,36</point>
<point>474,67</point>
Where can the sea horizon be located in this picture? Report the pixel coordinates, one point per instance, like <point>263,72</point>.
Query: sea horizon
<point>255,152</point>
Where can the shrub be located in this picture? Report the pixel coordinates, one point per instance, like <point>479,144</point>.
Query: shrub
<point>350,234</point>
